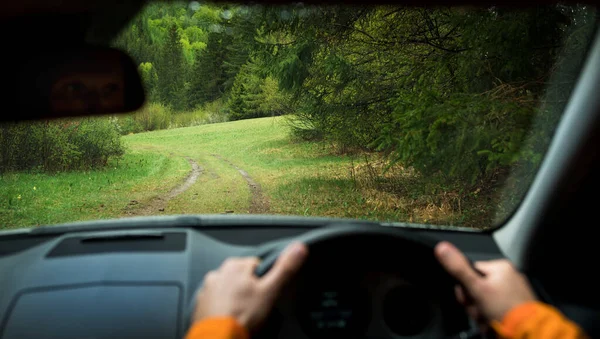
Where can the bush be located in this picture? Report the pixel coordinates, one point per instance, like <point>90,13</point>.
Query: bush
<point>187,119</point>
<point>210,113</point>
<point>151,117</point>
<point>59,145</point>
<point>129,124</point>
<point>216,112</point>
<point>155,116</point>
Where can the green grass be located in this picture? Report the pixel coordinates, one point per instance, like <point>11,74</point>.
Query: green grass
<point>297,178</point>
<point>30,199</point>
<point>219,189</point>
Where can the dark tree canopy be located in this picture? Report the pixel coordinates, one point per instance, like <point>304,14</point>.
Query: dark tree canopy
<point>451,92</point>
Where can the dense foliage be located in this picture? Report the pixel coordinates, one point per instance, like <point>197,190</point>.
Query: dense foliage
<point>452,92</point>
<point>156,116</point>
<point>59,145</point>
<point>191,56</point>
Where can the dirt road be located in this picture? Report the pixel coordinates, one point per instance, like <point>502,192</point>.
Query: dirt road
<point>159,203</point>
<point>258,204</point>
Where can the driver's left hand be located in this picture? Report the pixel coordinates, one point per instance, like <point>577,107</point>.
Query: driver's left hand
<point>234,291</point>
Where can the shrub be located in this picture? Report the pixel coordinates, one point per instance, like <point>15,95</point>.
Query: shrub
<point>187,119</point>
<point>210,113</point>
<point>96,140</point>
<point>129,124</point>
<point>155,116</point>
<point>59,145</point>
<point>151,117</point>
<point>216,111</point>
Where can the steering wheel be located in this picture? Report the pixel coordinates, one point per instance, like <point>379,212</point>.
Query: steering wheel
<point>347,248</point>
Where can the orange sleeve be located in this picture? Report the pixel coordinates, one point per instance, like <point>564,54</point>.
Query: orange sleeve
<point>535,320</point>
<point>217,328</point>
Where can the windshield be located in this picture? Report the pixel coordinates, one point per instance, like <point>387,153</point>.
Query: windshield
<point>397,114</point>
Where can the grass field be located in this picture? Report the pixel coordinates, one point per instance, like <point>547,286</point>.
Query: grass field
<point>299,178</point>
<point>37,198</point>
<point>249,166</point>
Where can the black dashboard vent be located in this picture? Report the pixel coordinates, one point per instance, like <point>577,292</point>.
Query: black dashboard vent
<point>113,243</point>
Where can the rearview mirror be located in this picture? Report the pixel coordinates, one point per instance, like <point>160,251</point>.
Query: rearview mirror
<point>76,82</point>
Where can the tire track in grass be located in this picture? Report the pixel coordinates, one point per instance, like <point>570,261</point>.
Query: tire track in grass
<point>259,203</point>
<point>159,203</point>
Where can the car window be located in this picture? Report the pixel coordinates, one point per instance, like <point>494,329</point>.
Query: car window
<point>423,115</point>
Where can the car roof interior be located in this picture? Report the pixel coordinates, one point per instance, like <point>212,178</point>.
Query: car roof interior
<point>551,235</point>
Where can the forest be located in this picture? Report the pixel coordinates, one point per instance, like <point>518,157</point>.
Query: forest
<point>454,93</point>
<point>461,96</point>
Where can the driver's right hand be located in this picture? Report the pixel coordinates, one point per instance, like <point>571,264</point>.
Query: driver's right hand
<point>488,297</point>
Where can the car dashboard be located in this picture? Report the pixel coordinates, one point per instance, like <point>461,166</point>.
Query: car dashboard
<point>137,278</point>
